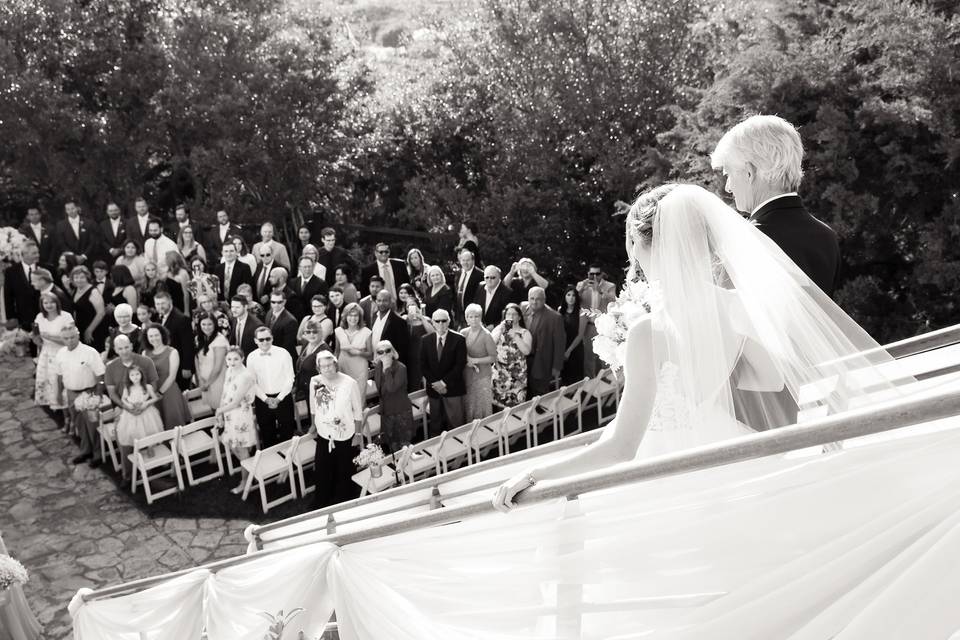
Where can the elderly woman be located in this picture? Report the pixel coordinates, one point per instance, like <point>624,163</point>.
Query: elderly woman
<point>438,295</point>
<point>760,158</point>
<point>123,316</point>
<point>396,413</point>
<point>336,403</point>
<point>478,374</point>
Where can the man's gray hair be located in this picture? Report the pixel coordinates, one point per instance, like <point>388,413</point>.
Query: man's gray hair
<point>769,143</point>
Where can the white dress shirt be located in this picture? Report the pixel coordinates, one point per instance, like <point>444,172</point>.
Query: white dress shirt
<point>79,367</point>
<point>488,297</point>
<point>224,231</point>
<point>37,230</point>
<point>75,225</point>
<point>379,323</point>
<point>142,222</point>
<point>337,408</point>
<point>386,272</point>
<point>273,371</point>
<point>156,249</point>
<point>115,225</point>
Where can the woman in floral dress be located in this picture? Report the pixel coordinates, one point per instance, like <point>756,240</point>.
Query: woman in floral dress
<point>236,410</point>
<point>481,353</point>
<point>50,321</point>
<point>353,345</point>
<point>514,343</point>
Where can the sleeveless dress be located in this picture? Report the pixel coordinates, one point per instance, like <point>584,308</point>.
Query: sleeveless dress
<point>239,429</point>
<point>131,427</point>
<point>357,367</point>
<point>509,373</point>
<point>573,366</point>
<point>205,362</point>
<point>84,312</point>
<point>478,403</point>
<point>173,406</point>
<point>45,385</point>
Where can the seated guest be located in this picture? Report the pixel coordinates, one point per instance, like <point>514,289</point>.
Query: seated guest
<point>272,367</point>
<point>318,308</point>
<point>173,406</point>
<point>575,326</point>
<point>80,369</point>
<point>49,325</point>
<point>439,295</point>
<point>481,352</point>
<point>209,362</point>
<point>419,326</point>
<point>89,309</point>
<point>305,366</point>
<point>244,326</point>
<point>354,346</point>
<point>282,323</point>
<point>523,276</point>
<point>132,259</point>
<point>396,412</point>
<point>235,413</point>
<point>493,297</point>
<point>549,342</point>
<point>514,343</point>
<point>123,317</point>
<point>343,278</point>
<point>443,357</point>
<point>337,407</point>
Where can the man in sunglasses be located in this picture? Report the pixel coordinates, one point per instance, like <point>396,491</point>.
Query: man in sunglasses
<point>596,294</point>
<point>443,357</point>
<point>272,368</point>
<point>392,270</point>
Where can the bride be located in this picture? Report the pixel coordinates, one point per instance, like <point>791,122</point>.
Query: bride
<point>736,339</point>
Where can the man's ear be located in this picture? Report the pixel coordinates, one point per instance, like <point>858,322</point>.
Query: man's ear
<point>751,170</point>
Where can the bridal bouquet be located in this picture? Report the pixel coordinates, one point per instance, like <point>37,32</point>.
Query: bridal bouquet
<point>11,573</point>
<point>635,300</point>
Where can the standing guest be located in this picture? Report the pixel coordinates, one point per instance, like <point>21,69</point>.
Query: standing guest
<point>49,324</point>
<point>396,411</point>
<point>137,225</point>
<point>304,288</point>
<point>181,337</point>
<point>113,234</point>
<point>311,251</point>
<point>116,369</point>
<point>439,295</point>
<point>574,327</point>
<point>343,276</point>
<point>173,406</point>
<point>596,294</point>
<point>124,326</point>
<point>189,247</point>
<point>124,288</point>
<point>80,369</point>
<point>261,276</point>
<point>330,255</point>
<point>549,343</point>
<point>178,281</point>
<point>181,221</point>
<point>282,323</point>
<point>202,283</point>
<point>220,234</point>
<point>514,344</point>
<point>418,326</point>
<point>468,282</point>
<point>337,408</point>
<point>138,417</point>
<point>493,297</point>
<point>417,272</point>
<point>336,305</point>
<point>76,234</point>
<point>368,303</point>
<point>221,313</point>
<point>211,354</point>
<point>388,325</point>
<point>279,281</point>
<point>523,276</point>
<point>280,255</point>
<point>43,235</point>
<point>478,374</point>
<point>354,346</point>
<point>89,309</point>
<point>133,260</point>
<point>245,291</point>
<point>408,294</point>
<point>392,270</point>
<point>243,253</point>
<point>761,159</point>
<point>318,307</point>
<point>157,246</point>
<point>151,284</point>
<point>443,357</point>
<point>101,279</point>
<point>303,239</point>
<point>145,316</point>
<point>42,281</point>
<point>305,366</point>
<point>244,327</point>
<point>231,272</point>
<point>235,412</point>
<point>468,238</point>
<point>272,368</point>
<point>66,263</point>
<point>20,297</point>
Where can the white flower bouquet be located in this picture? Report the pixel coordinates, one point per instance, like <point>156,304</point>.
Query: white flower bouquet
<point>15,339</point>
<point>90,404</point>
<point>371,456</point>
<point>11,573</point>
<point>635,300</point>
<point>11,242</point>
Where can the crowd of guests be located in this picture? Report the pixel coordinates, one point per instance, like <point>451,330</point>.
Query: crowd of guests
<point>142,312</point>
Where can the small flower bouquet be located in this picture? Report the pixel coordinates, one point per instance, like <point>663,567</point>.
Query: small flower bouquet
<point>11,242</point>
<point>89,403</point>
<point>14,339</point>
<point>11,573</point>
<point>371,456</point>
<point>635,300</point>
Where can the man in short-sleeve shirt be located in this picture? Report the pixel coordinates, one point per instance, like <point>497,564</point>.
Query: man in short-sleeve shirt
<point>79,368</point>
<point>116,372</point>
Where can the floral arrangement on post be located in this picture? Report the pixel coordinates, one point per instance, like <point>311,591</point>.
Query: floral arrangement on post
<point>371,456</point>
<point>11,573</point>
<point>14,339</point>
<point>89,403</point>
<point>635,300</point>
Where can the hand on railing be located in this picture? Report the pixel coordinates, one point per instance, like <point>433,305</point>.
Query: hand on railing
<point>503,498</point>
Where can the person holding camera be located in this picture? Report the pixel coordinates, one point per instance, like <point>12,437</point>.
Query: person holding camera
<point>514,343</point>
<point>596,294</point>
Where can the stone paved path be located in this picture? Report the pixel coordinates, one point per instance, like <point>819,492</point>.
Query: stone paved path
<point>70,526</point>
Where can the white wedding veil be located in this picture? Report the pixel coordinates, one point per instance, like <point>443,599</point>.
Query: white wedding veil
<point>749,333</point>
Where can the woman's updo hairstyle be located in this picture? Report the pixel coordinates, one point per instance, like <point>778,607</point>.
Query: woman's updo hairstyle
<point>640,219</point>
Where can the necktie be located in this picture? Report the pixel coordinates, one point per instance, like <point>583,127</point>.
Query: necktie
<point>387,274</point>
<point>239,331</point>
<point>462,288</point>
<point>263,279</point>
<point>29,271</point>
<point>226,278</point>
<point>439,347</point>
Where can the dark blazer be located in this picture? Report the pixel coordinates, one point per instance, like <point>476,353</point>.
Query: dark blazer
<point>330,260</point>
<point>21,299</point>
<point>305,367</point>
<point>493,314</point>
<point>241,275</point>
<point>109,240</point>
<point>447,367</point>
<point>181,337</point>
<point>442,300</point>
<point>256,281</point>
<point>300,306</point>
<point>67,240</point>
<point>133,229</point>
<point>66,301</point>
<point>474,282</point>
<point>248,341</point>
<point>336,314</point>
<point>369,307</point>
<point>392,388</point>
<point>46,242</point>
<point>398,333</point>
<point>549,343</point>
<point>398,266</point>
<point>284,330</point>
<point>810,243</point>
<point>210,239</point>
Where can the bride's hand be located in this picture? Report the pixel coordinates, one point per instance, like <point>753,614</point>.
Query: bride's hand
<point>505,494</point>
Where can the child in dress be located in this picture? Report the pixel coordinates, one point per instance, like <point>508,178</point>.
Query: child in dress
<point>138,417</point>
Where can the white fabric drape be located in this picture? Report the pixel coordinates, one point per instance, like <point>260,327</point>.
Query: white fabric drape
<point>854,545</point>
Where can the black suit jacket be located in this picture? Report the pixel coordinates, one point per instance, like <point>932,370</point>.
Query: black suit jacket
<point>284,330</point>
<point>330,260</point>
<point>301,295</point>
<point>46,242</point>
<point>810,243</point>
<point>132,225</point>
<point>447,366</point>
<point>21,299</point>
<point>241,275</point>
<point>399,268</point>
<point>474,281</point>
<point>109,240</point>
<point>398,333</point>
<point>493,314</point>
<point>67,240</point>
<point>248,341</point>
<point>181,337</point>
<point>210,239</point>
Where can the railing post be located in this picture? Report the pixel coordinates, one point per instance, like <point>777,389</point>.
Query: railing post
<point>570,594</point>
<point>435,502</point>
<point>331,524</point>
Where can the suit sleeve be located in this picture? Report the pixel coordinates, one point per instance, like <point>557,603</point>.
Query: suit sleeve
<point>189,348</point>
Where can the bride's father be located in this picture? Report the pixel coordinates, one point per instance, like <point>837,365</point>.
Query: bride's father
<point>760,158</point>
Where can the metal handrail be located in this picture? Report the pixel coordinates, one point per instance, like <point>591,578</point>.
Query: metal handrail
<point>856,423</point>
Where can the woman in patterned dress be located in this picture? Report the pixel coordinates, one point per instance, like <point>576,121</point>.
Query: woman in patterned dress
<point>481,353</point>
<point>50,321</point>
<point>236,410</point>
<point>354,349</point>
<point>514,343</point>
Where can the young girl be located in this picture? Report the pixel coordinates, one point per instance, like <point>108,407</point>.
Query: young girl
<point>138,417</point>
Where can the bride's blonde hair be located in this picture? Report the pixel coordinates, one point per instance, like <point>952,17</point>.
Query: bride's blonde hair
<point>639,225</point>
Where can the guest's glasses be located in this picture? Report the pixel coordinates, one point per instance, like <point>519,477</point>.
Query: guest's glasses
<point>441,321</point>
<point>383,252</point>
<point>380,352</point>
<point>594,274</point>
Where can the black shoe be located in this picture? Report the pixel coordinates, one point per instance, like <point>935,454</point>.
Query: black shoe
<point>94,464</point>
<point>83,457</point>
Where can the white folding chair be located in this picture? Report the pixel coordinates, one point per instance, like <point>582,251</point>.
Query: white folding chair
<point>516,423</point>
<point>484,436</point>
<point>194,439</point>
<point>370,423</point>
<point>198,407</point>
<point>453,450</point>
<point>270,465</point>
<point>301,412</point>
<point>570,400</point>
<point>418,460</point>
<point>421,406</point>
<point>155,452</point>
<point>302,454</point>
<point>107,428</point>
<point>601,390</point>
